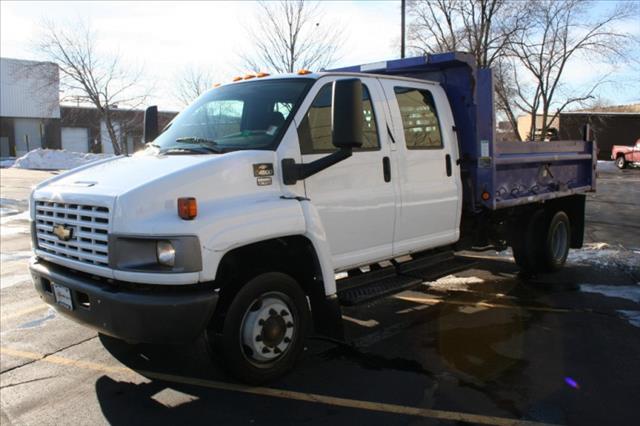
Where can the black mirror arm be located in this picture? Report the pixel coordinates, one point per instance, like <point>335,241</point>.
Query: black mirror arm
<point>293,172</point>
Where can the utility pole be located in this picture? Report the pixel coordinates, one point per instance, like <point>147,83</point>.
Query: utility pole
<point>402,8</point>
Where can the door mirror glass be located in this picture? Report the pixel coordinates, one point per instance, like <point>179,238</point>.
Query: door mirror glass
<point>346,114</point>
<point>150,124</point>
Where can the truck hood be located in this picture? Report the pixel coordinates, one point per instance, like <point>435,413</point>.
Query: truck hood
<point>123,174</point>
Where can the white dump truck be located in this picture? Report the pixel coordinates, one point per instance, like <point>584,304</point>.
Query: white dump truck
<point>236,218</point>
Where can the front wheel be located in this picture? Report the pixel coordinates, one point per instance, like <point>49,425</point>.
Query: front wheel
<point>264,328</point>
<point>620,162</point>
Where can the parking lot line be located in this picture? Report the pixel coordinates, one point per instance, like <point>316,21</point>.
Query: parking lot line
<point>482,304</point>
<point>25,311</point>
<point>279,393</point>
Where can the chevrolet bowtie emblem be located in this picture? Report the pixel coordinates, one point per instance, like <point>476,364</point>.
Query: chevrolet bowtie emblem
<point>62,232</point>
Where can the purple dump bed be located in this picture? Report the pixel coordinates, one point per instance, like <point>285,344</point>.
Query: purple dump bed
<point>511,173</point>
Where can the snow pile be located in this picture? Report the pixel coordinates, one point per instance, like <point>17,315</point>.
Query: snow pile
<point>602,256</point>
<point>56,159</point>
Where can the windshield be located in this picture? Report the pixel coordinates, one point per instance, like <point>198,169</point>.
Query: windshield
<point>249,115</point>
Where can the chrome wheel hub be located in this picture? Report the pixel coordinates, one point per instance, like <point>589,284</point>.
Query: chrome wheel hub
<point>267,329</point>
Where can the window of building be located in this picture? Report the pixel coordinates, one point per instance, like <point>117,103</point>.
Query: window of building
<point>419,118</point>
<point>315,130</point>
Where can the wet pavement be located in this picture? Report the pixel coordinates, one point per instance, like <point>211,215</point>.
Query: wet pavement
<point>482,347</point>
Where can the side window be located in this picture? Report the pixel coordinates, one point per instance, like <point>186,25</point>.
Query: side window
<point>315,130</point>
<point>419,118</point>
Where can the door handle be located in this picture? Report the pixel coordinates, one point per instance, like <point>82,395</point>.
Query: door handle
<point>447,160</point>
<point>386,169</point>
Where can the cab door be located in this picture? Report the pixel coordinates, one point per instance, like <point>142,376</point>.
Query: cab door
<point>430,191</point>
<point>354,198</point>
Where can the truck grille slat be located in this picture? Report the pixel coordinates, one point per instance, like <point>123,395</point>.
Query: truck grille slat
<point>89,226</point>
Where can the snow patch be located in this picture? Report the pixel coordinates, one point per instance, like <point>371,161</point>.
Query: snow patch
<point>632,316</point>
<point>56,159</point>
<point>629,292</point>
<point>8,211</point>
<point>12,280</point>
<point>15,217</point>
<point>7,162</point>
<point>14,256</point>
<point>453,283</point>
<point>7,230</point>
<point>608,166</point>
<point>601,255</point>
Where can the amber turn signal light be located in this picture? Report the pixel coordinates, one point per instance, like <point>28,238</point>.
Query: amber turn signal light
<point>187,208</point>
<point>485,196</point>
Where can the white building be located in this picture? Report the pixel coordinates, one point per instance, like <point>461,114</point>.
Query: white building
<point>29,106</point>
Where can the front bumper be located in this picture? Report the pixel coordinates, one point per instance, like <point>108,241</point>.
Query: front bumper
<point>153,314</point>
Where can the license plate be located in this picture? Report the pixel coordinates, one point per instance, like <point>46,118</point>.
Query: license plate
<point>62,295</point>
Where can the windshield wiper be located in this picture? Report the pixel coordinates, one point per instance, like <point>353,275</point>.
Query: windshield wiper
<point>199,141</point>
<point>189,150</point>
<point>208,144</point>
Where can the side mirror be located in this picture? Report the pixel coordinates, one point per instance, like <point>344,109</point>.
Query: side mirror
<point>346,114</point>
<point>150,124</point>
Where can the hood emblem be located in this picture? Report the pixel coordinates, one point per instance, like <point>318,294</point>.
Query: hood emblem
<point>62,232</point>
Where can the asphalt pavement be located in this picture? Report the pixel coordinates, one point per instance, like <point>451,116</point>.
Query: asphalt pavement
<point>484,346</point>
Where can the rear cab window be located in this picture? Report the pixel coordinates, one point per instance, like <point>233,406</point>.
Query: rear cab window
<point>419,118</point>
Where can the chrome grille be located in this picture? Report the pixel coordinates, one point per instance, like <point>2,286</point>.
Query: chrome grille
<point>89,225</point>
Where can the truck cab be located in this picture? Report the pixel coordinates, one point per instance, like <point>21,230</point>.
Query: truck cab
<point>236,218</point>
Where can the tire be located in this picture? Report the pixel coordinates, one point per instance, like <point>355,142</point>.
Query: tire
<point>264,328</point>
<point>541,244</point>
<point>525,241</point>
<point>621,162</point>
<point>554,248</point>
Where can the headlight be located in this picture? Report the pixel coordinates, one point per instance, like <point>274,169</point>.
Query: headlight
<point>166,253</point>
<point>175,253</point>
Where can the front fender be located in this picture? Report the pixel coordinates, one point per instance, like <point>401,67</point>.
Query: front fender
<point>245,222</point>
<point>248,223</point>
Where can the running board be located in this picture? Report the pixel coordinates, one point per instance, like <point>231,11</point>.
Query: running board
<point>380,283</point>
<point>370,290</point>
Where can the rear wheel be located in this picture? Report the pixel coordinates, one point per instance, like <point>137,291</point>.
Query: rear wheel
<point>264,328</point>
<point>554,247</point>
<point>540,243</point>
<point>620,162</point>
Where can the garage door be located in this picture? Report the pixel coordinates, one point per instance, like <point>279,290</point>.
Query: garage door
<point>75,139</point>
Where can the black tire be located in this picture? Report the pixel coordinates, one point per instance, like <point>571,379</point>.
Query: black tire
<point>555,242</point>
<point>259,294</point>
<point>541,244</point>
<point>621,162</point>
<point>526,240</point>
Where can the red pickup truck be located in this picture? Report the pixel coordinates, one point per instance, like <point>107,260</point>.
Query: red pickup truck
<point>626,154</point>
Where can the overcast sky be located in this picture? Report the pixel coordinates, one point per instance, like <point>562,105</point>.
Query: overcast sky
<point>164,37</point>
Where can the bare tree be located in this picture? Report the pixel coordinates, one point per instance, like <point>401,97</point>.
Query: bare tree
<point>481,27</point>
<point>292,35</point>
<point>191,82</point>
<point>88,76</point>
<point>561,31</point>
